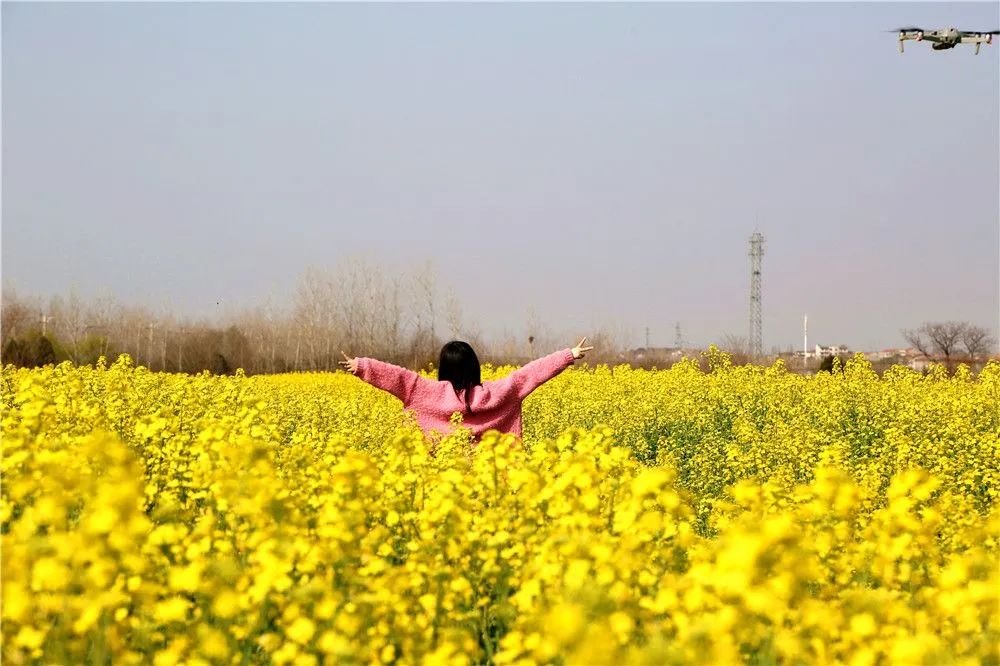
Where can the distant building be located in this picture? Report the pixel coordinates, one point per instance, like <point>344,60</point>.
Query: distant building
<point>903,355</point>
<point>821,351</point>
<point>908,356</point>
<point>654,354</point>
<point>646,352</point>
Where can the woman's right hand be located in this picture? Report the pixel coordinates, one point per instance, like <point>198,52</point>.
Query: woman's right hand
<point>579,350</point>
<point>349,364</point>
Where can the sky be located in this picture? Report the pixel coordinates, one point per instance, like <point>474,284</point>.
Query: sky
<point>596,164</point>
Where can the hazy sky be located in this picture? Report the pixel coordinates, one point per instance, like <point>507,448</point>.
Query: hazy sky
<point>598,163</point>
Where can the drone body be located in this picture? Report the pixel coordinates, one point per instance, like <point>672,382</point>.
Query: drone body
<point>948,38</point>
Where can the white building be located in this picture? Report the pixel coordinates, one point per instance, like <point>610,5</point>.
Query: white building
<point>892,353</point>
<point>821,351</point>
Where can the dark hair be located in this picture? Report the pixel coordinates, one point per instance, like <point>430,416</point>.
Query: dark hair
<point>460,366</point>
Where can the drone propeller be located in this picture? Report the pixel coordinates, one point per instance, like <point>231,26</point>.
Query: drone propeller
<point>907,29</point>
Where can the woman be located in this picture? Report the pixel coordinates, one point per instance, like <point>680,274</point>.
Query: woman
<point>493,405</point>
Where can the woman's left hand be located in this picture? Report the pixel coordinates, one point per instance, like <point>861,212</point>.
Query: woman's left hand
<point>349,364</point>
<point>579,350</point>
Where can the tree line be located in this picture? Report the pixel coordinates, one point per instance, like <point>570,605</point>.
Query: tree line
<point>403,318</point>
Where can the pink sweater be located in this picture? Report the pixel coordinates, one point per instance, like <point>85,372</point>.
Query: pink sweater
<point>496,405</point>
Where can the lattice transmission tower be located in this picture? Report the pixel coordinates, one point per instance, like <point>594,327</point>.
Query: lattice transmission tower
<point>756,254</point>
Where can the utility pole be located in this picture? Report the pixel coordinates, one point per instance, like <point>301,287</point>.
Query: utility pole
<point>104,339</point>
<point>647,338</point>
<point>45,320</point>
<point>180,350</point>
<point>149,348</point>
<point>805,339</point>
<point>678,338</point>
<point>756,254</point>
<point>274,351</point>
<point>288,346</point>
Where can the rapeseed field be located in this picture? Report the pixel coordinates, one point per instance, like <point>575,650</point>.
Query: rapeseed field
<point>743,515</point>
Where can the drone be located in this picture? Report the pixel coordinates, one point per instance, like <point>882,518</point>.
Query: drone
<point>948,38</point>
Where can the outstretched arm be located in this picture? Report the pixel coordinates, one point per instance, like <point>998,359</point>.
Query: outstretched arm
<point>396,380</point>
<point>539,371</point>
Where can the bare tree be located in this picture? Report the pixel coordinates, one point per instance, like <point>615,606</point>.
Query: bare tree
<point>100,316</point>
<point>938,338</point>
<point>369,308</point>
<point>535,332</point>
<point>394,319</point>
<point>358,307</point>
<point>946,337</point>
<point>313,315</point>
<point>262,326</point>
<point>738,348</point>
<point>17,316</point>
<point>71,322</point>
<point>977,341</point>
<point>916,339</point>
<point>606,346</point>
<point>423,306</point>
<point>272,324</point>
<point>453,315</point>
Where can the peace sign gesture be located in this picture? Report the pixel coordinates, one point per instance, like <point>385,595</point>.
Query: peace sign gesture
<point>350,364</point>
<point>578,351</point>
